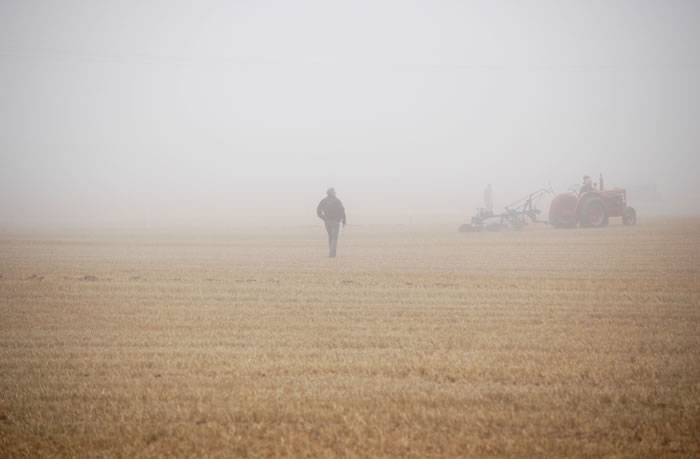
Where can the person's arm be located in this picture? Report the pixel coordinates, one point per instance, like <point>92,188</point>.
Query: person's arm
<point>342,209</point>
<point>319,210</point>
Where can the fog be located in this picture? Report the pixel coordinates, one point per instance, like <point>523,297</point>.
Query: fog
<point>136,114</point>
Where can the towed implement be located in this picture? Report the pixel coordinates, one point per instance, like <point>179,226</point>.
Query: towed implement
<point>514,216</point>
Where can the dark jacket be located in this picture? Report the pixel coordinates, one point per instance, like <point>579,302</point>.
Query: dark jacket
<point>586,188</point>
<point>331,209</point>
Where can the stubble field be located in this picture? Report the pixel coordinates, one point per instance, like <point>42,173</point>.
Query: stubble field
<point>417,341</point>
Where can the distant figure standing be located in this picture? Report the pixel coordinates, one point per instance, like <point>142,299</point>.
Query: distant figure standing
<point>488,199</point>
<point>332,212</point>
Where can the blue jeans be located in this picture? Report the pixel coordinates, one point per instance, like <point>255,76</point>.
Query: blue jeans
<point>333,228</point>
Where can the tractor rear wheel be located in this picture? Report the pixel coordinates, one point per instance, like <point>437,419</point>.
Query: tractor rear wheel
<point>593,213</point>
<point>629,216</point>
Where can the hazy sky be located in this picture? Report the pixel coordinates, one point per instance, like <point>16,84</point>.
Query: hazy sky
<point>119,113</point>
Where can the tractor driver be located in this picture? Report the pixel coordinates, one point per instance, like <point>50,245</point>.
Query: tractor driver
<point>587,185</point>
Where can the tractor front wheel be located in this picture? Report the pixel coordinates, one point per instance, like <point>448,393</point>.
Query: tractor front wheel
<point>629,216</point>
<point>593,213</point>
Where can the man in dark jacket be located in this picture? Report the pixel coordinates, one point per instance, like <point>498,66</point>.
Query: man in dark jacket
<point>332,212</point>
<point>587,185</point>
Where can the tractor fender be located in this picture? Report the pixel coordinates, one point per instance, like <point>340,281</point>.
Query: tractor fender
<point>563,211</point>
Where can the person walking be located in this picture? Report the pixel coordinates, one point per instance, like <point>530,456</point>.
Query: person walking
<point>332,212</point>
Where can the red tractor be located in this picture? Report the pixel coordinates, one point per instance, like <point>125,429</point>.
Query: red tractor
<point>590,209</point>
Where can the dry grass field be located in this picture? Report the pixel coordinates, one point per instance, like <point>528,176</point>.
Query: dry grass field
<point>417,341</point>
